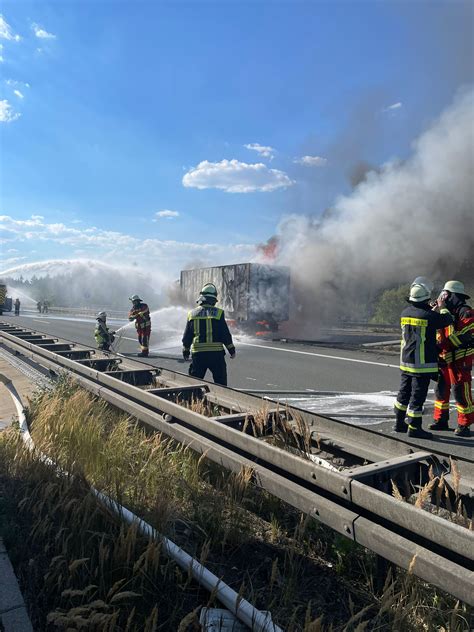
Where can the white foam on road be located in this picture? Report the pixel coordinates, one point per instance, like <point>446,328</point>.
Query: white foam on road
<point>320,355</point>
<point>359,409</point>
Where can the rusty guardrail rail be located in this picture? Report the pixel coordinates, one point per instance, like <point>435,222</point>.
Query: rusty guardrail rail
<point>356,502</point>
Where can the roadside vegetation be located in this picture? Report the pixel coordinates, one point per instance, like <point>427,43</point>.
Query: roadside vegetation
<point>81,569</point>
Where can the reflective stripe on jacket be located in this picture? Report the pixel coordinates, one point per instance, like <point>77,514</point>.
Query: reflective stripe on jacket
<point>418,353</point>
<point>207,330</point>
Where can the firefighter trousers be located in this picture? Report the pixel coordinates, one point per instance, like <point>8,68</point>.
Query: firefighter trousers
<point>144,339</point>
<point>455,377</point>
<point>412,396</point>
<point>212,360</point>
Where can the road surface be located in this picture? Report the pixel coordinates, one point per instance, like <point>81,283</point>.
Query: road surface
<point>355,386</point>
<point>258,365</point>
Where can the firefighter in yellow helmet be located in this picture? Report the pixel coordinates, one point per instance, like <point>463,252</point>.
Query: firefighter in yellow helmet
<point>206,336</point>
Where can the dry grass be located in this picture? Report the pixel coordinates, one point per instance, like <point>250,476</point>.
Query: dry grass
<point>437,497</point>
<point>81,569</point>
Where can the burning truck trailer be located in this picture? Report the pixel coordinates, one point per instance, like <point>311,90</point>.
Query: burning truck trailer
<point>255,297</point>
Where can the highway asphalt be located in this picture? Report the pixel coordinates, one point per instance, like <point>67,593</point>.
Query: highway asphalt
<point>258,364</point>
<point>355,386</point>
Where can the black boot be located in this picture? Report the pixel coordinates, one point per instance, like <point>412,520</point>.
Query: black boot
<point>439,425</point>
<point>462,431</point>
<point>142,354</point>
<point>417,432</point>
<point>400,425</point>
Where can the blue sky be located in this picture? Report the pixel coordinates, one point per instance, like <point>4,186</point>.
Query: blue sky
<point>114,112</point>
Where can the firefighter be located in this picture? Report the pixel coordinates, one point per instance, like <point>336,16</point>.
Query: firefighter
<point>39,306</point>
<point>17,307</point>
<point>141,315</point>
<point>205,336</point>
<point>102,335</point>
<point>456,346</point>
<point>418,358</point>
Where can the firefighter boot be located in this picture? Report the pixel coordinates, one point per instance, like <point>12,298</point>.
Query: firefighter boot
<point>442,424</point>
<point>462,431</point>
<point>415,431</point>
<point>400,425</point>
<point>143,354</point>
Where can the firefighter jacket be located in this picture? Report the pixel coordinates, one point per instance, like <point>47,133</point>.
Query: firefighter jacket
<point>207,330</point>
<point>102,334</point>
<point>418,353</point>
<point>456,341</point>
<point>141,316</point>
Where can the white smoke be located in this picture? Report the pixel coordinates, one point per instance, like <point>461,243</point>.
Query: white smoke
<point>413,218</point>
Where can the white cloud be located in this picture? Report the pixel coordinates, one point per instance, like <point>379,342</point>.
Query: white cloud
<point>16,84</point>
<point>114,246</point>
<point>311,161</point>
<point>6,31</point>
<point>41,33</point>
<point>233,176</point>
<point>266,152</point>
<point>7,114</point>
<point>18,94</point>
<point>166,214</point>
<point>394,106</point>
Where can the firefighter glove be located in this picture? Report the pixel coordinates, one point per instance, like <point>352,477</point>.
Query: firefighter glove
<point>186,354</point>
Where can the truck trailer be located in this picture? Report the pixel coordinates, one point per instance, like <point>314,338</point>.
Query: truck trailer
<point>253,295</point>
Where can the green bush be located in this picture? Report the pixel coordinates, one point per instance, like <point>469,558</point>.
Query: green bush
<point>389,305</point>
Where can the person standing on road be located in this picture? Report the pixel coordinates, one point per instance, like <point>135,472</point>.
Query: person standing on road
<point>17,307</point>
<point>456,346</point>
<point>205,336</point>
<point>141,315</point>
<point>102,335</point>
<point>418,358</point>
<point>39,306</point>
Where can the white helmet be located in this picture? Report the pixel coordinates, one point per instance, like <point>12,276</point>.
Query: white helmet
<point>134,298</point>
<point>425,282</point>
<point>456,287</point>
<point>101,316</point>
<point>419,293</point>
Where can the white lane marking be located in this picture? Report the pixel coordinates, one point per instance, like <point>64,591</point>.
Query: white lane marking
<point>320,355</point>
<point>38,320</point>
<point>254,379</point>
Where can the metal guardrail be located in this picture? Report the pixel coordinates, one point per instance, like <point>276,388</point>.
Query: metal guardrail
<point>85,311</point>
<point>354,502</point>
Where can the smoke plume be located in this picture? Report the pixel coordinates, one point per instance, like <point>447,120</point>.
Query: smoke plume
<point>409,219</point>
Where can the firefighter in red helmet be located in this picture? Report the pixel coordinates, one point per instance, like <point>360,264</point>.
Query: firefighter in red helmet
<point>456,346</point>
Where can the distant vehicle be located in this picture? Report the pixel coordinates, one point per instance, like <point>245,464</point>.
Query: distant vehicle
<point>255,296</point>
<point>5,301</point>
